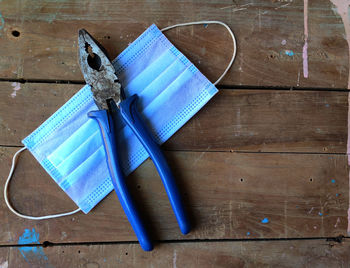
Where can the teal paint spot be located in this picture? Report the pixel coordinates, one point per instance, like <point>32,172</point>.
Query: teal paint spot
<point>248,233</point>
<point>333,180</point>
<point>205,25</point>
<point>2,22</point>
<point>289,53</point>
<point>336,195</point>
<point>327,105</point>
<point>320,213</point>
<point>31,254</point>
<point>265,220</point>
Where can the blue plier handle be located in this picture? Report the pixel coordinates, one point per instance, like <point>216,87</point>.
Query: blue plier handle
<point>107,120</point>
<point>100,74</point>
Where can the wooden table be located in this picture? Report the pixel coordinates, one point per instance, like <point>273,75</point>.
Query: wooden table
<point>263,167</point>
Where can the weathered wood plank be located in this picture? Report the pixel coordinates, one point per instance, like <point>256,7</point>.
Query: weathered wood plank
<point>227,194</point>
<point>270,38</point>
<point>239,120</point>
<point>308,253</point>
<point>268,121</point>
<point>24,109</point>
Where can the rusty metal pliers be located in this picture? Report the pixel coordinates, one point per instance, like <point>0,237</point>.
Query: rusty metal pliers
<point>108,94</point>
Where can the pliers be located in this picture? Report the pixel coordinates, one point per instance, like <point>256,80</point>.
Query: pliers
<point>108,94</point>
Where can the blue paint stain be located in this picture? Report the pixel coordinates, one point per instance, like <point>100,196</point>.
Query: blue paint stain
<point>31,253</point>
<point>333,180</point>
<point>289,53</point>
<point>320,213</point>
<point>336,195</point>
<point>104,260</point>
<point>2,22</point>
<point>205,25</point>
<point>327,105</point>
<point>248,233</point>
<point>265,220</point>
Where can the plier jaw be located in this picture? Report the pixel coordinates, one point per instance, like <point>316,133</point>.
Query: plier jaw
<point>98,70</point>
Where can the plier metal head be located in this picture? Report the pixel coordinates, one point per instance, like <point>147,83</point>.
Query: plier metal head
<point>98,70</point>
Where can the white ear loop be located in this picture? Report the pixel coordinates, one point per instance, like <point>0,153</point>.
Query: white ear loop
<point>211,22</point>
<point>16,212</point>
<point>24,148</point>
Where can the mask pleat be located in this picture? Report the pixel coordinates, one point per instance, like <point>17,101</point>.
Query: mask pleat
<point>61,124</point>
<point>176,93</point>
<point>73,142</point>
<point>170,96</point>
<point>91,145</point>
<point>149,74</point>
<point>161,83</point>
<point>84,170</point>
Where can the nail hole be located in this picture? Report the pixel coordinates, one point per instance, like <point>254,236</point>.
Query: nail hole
<point>16,33</point>
<point>241,179</point>
<point>79,251</point>
<point>138,187</point>
<point>126,253</point>
<point>311,179</point>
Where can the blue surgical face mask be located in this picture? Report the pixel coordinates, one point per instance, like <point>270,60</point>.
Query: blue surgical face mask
<point>68,144</point>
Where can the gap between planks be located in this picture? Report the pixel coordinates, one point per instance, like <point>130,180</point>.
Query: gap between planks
<point>219,86</point>
<point>220,151</point>
<point>338,239</point>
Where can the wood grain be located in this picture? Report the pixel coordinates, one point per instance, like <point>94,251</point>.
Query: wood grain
<point>268,121</point>
<point>227,195</point>
<point>253,164</point>
<point>234,120</point>
<point>309,253</point>
<point>46,47</point>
